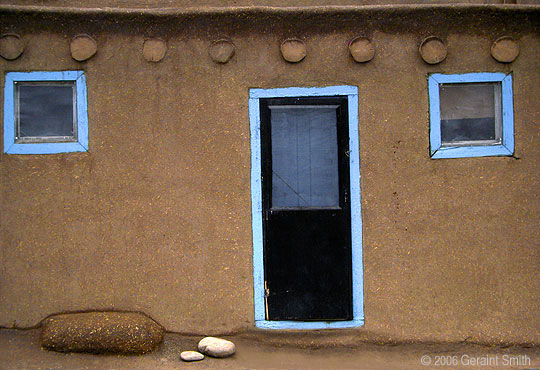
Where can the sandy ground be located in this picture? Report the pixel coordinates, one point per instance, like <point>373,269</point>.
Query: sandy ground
<point>20,350</point>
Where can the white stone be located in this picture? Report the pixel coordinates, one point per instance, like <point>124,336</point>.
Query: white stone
<point>191,356</point>
<point>216,347</point>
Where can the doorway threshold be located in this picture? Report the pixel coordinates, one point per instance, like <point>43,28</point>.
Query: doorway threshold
<point>307,325</point>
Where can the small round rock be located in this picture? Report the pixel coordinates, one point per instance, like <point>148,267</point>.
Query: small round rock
<point>361,49</point>
<point>154,50</point>
<point>189,356</point>
<point>221,51</point>
<point>82,47</point>
<point>216,347</point>
<point>293,50</point>
<point>433,50</point>
<point>11,46</point>
<point>505,49</point>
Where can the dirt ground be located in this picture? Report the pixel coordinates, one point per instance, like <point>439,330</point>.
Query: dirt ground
<point>20,350</point>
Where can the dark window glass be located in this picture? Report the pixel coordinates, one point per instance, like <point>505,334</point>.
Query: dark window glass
<point>470,112</point>
<point>304,156</point>
<point>45,110</point>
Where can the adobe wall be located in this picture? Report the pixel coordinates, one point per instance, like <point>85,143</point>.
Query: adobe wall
<point>156,217</point>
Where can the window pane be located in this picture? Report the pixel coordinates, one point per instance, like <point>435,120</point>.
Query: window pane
<point>45,110</point>
<point>304,156</point>
<point>470,112</point>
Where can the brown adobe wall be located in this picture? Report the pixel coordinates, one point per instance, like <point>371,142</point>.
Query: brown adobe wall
<point>156,216</point>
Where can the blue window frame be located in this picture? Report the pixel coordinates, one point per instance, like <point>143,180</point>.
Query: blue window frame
<point>351,92</point>
<point>45,112</point>
<point>461,124</point>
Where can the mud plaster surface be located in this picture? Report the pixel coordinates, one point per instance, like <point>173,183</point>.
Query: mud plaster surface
<point>20,350</point>
<point>156,216</point>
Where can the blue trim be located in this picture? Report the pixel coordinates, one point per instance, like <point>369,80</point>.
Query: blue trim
<point>46,76</point>
<point>471,151</point>
<point>308,325</point>
<point>356,212</point>
<point>507,96</point>
<point>256,206</point>
<point>468,77</point>
<point>505,149</point>
<point>45,148</point>
<point>303,91</point>
<point>82,112</point>
<point>435,114</point>
<point>10,147</point>
<point>9,113</point>
<point>256,209</point>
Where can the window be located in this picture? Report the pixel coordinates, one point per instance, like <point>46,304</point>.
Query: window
<point>45,112</point>
<point>471,115</point>
<point>304,156</point>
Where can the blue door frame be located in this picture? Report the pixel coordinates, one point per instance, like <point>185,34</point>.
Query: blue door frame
<point>351,92</point>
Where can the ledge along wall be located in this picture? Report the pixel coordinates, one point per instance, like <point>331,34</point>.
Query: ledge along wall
<point>155,217</point>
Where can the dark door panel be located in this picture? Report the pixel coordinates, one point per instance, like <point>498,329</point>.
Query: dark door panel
<point>307,246</point>
<point>307,266</point>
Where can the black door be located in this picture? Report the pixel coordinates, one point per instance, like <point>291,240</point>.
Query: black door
<point>306,208</point>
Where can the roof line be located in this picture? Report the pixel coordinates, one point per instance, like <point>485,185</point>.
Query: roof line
<point>263,10</point>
